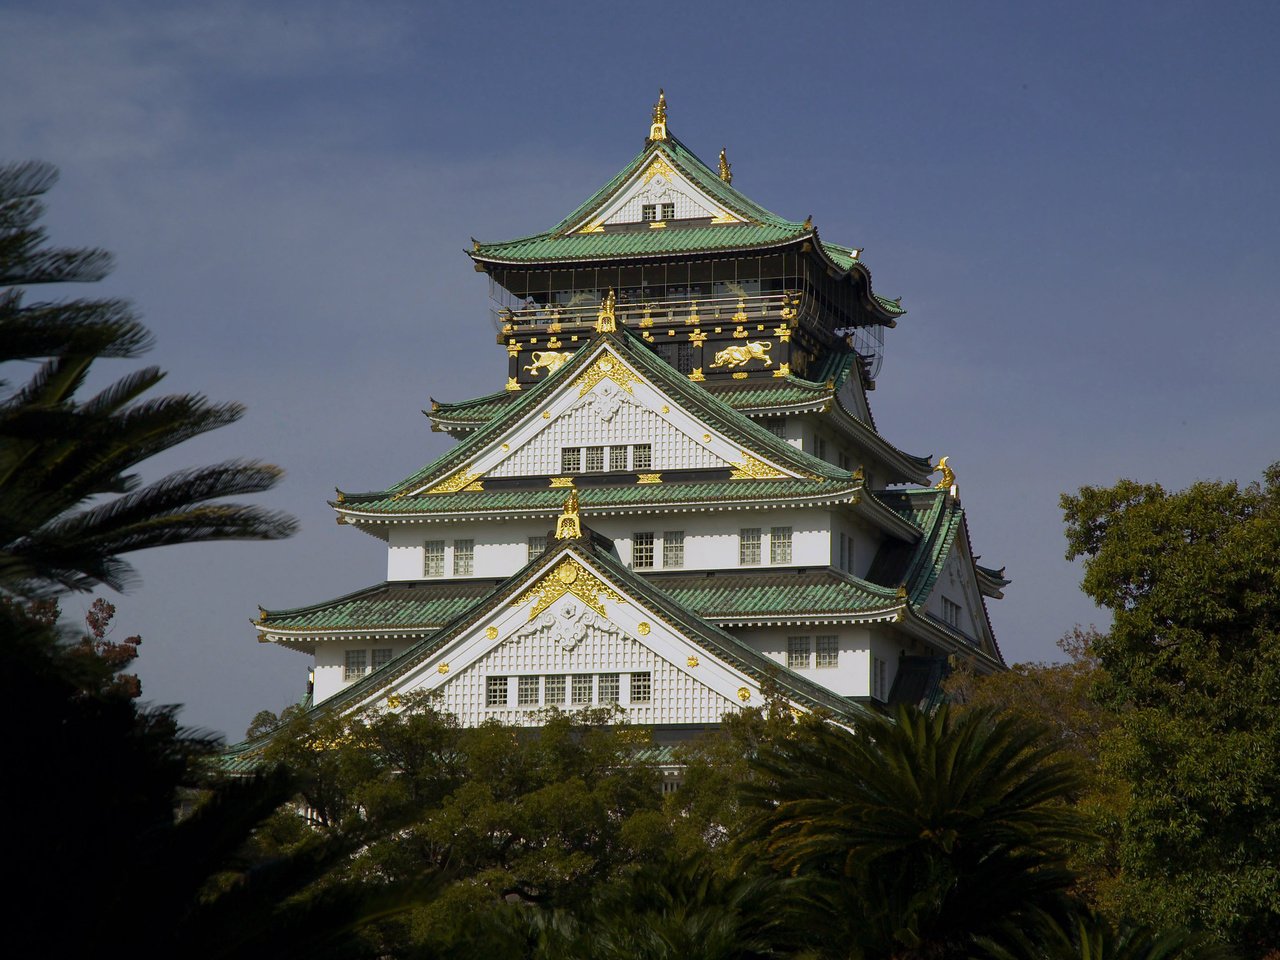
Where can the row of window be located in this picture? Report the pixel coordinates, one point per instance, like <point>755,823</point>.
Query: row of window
<point>801,653</point>
<point>751,546</point>
<point>951,612</point>
<point>433,558</point>
<point>359,662</point>
<point>637,456</point>
<point>657,211</point>
<point>644,550</point>
<point>577,689</point>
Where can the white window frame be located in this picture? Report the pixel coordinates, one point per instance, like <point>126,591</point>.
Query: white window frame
<point>642,456</point>
<point>749,547</point>
<point>640,688</point>
<point>355,664</point>
<point>464,558</point>
<point>673,549</point>
<point>780,551</point>
<point>799,653</point>
<point>642,551</point>
<point>826,652</point>
<point>528,689</point>
<point>536,546</point>
<point>497,692</point>
<point>609,687</point>
<point>433,558</point>
<point>577,682</point>
<point>556,690</point>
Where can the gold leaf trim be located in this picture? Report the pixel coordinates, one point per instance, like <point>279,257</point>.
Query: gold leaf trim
<point>752,469</point>
<point>568,577</point>
<point>462,480</point>
<point>606,367</point>
<point>649,478</point>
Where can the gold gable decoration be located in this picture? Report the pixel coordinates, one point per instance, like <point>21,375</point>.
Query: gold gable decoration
<point>462,480</point>
<point>568,577</point>
<point>752,469</point>
<point>606,368</point>
<point>569,526</point>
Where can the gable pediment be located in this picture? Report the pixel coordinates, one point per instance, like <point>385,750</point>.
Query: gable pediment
<point>657,182</point>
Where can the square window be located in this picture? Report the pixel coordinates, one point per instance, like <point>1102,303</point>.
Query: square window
<point>798,653</point>
<point>381,657</point>
<point>433,558</point>
<point>649,211</point>
<point>464,558</point>
<point>495,691</point>
<point>354,664</point>
<point>641,551</point>
<point>641,457</point>
<point>617,458</point>
<point>536,546</point>
<point>778,428</point>
<point>780,545</point>
<point>527,691</point>
<point>749,547</point>
<point>570,459</point>
<point>673,549</point>
<point>595,459</point>
<point>668,211</point>
<point>555,690</point>
<point>828,652</point>
<point>609,687</point>
<point>582,688</point>
<point>641,687</point>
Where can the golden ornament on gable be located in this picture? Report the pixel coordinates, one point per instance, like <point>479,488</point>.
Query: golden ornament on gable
<point>568,577</point>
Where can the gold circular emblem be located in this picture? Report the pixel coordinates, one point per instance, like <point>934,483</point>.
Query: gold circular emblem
<point>606,364</point>
<point>643,629</point>
<point>443,668</point>
<point>491,633</point>
<point>568,573</point>
<point>744,694</point>
<point>692,661</point>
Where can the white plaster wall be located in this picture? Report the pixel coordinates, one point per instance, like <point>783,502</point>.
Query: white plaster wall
<point>956,584</point>
<point>852,675</point>
<point>330,662</point>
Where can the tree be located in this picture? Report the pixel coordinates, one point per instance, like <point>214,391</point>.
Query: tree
<point>70,504</point>
<point>1192,665</point>
<point>916,835</point>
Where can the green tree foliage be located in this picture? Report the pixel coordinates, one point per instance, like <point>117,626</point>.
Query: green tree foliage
<point>1192,665</point>
<point>70,503</point>
<point>918,834</point>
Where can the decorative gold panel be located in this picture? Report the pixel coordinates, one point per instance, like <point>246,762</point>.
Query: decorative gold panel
<point>697,337</point>
<point>547,360</point>
<point>462,480</point>
<point>568,577</point>
<point>512,384</point>
<point>739,354</point>
<point>606,367</point>
<point>752,469</point>
<point>649,478</point>
<point>784,369</point>
<point>697,375</point>
<point>562,482</point>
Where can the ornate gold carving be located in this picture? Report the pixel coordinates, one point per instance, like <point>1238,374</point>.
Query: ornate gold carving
<point>740,375</point>
<point>697,375</point>
<point>740,332</point>
<point>657,168</point>
<point>647,319</point>
<point>561,482</point>
<point>657,224</point>
<point>554,342</point>
<point>462,480</point>
<point>648,337</point>
<point>693,314</point>
<point>790,306</point>
<point>740,316</point>
<point>643,629</point>
<point>262,615</point>
<point>692,661</point>
<point>665,408</point>
<point>858,474</point>
<point>547,360</point>
<point>784,369</point>
<point>512,384</point>
<point>782,332</point>
<point>342,497</point>
<point>725,218</point>
<point>706,438</point>
<point>553,328</point>
<point>394,701</point>
<point>443,668</point>
<point>948,475</point>
<point>726,168</point>
<point>649,478</point>
<point>697,337</point>
<point>491,633</point>
<point>752,469</point>
<point>473,487</point>
<point>658,129</point>
<point>513,348</point>
<point>606,368</point>
<point>546,414</point>
<point>595,226</point>
<point>605,320</point>
<point>744,694</point>
<point>568,576</point>
<point>569,526</point>
<point>739,354</point>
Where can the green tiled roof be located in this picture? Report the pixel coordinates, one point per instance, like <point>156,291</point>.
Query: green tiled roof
<point>699,402</point>
<point>385,605</point>
<point>550,500</point>
<point>774,593</point>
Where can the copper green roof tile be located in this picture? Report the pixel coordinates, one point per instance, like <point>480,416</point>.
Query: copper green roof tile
<point>774,593</point>
<point>385,605</point>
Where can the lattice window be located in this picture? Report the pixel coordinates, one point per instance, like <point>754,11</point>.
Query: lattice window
<point>570,459</point>
<point>668,211</point>
<point>642,551</point>
<point>778,428</point>
<point>464,558</point>
<point>381,657</point>
<point>951,612</point>
<point>641,456</point>
<point>527,691</point>
<point>555,689</point>
<point>354,664</point>
<point>798,653</point>
<point>536,546</point>
<point>780,545</point>
<point>641,687</point>
<point>594,459</point>
<point>828,653</point>
<point>433,558</point>
<point>617,458</point>
<point>495,691</point>
<point>749,547</point>
<point>673,549</point>
<point>649,211</point>
<point>581,688</point>
<point>610,688</point>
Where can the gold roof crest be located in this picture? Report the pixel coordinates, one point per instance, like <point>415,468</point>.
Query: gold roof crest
<point>658,129</point>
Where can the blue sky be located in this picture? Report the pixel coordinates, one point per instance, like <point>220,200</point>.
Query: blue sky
<point>1077,202</point>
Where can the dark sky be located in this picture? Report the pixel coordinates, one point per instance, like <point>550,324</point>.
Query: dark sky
<point>1077,203</point>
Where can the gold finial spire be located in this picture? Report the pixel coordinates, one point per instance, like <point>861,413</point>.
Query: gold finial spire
<point>948,475</point>
<point>658,130</point>
<point>605,320</point>
<point>726,168</point>
<point>569,526</point>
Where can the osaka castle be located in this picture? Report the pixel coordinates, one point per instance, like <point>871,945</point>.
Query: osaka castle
<point>678,503</point>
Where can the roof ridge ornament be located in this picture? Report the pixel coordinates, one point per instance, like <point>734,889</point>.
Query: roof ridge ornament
<point>948,481</point>
<point>726,168</point>
<point>606,322</point>
<point>569,525</point>
<point>658,129</point>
